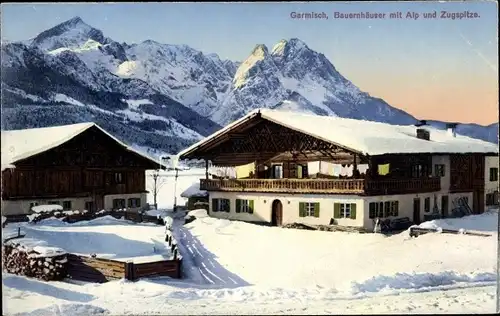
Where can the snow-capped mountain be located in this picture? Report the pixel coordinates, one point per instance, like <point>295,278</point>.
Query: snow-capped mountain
<point>168,96</point>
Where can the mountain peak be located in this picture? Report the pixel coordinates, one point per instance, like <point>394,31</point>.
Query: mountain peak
<point>284,46</point>
<point>71,33</point>
<point>260,50</point>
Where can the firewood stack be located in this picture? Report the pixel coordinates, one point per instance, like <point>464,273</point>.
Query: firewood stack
<point>18,260</point>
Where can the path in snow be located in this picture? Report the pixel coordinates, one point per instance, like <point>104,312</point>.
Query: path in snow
<point>199,264</point>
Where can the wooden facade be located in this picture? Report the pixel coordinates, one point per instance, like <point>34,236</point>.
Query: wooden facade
<point>91,164</point>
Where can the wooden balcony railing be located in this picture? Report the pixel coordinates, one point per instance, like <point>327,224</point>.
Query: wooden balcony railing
<point>324,186</point>
<point>354,186</point>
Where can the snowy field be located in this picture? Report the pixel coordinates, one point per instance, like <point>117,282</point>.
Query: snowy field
<point>240,268</point>
<point>106,237</point>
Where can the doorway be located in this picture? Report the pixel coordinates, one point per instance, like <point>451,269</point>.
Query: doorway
<point>444,206</point>
<point>416,211</point>
<point>277,213</point>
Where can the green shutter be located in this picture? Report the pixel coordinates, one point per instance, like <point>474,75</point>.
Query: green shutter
<point>228,207</point>
<point>353,210</point>
<point>316,209</point>
<point>396,207</point>
<point>250,204</point>
<point>336,210</point>
<point>214,205</point>
<point>238,205</point>
<point>302,209</point>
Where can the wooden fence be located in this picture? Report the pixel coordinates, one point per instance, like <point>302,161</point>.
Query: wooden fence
<point>98,270</point>
<point>417,231</point>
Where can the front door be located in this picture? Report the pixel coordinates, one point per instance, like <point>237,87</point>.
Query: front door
<point>416,211</point>
<point>444,206</point>
<point>277,213</point>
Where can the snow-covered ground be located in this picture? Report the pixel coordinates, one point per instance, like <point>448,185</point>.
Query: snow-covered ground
<point>239,268</point>
<point>106,237</point>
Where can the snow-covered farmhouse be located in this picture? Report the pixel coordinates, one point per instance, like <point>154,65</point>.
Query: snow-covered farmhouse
<point>294,167</point>
<point>79,166</point>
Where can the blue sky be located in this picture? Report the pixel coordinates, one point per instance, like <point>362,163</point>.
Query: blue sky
<point>394,59</point>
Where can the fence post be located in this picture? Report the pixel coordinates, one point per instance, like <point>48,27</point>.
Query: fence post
<point>129,271</point>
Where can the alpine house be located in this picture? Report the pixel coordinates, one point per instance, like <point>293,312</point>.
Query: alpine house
<point>78,166</point>
<point>396,172</point>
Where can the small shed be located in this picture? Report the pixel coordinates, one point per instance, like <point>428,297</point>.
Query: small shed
<point>196,198</point>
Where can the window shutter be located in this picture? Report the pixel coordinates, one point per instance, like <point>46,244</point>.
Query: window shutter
<point>214,205</point>
<point>396,208</point>
<point>387,209</point>
<point>238,205</point>
<point>302,209</point>
<point>316,209</point>
<point>353,210</point>
<point>336,210</point>
<point>250,205</point>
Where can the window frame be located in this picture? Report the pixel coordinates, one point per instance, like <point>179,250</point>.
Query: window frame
<point>67,208</point>
<point>439,170</point>
<point>122,207</point>
<point>493,174</point>
<point>345,210</point>
<point>309,208</point>
<point>118,178</point>
<point>134,205</point>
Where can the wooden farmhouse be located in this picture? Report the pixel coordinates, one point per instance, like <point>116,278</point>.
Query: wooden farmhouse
<point>79,166</point>
<point>396,172</point>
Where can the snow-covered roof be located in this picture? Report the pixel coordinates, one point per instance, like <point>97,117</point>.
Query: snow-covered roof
<point>364,137</point>
<point>194,191</point>
<point>24,143</point>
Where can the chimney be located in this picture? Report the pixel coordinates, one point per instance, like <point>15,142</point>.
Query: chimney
<point>451,129</point>
<point>422,132</point>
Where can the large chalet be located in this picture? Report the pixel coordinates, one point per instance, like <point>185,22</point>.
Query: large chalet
<point>78,166</point>
<point>395,171</point>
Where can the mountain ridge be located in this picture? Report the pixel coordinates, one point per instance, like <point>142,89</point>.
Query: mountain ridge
<point>175,94</point>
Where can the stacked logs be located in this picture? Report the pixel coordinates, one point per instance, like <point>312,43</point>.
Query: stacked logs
<point>18,260</point>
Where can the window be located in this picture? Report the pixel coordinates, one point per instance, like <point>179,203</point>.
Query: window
<point>118,177</point>
<point>244,206</point>
<point>89,206</point>
<point>66,205</point>
<point>416,171</point>
<point>53,203</point>
<point>134,202</point>
<point>387,208</point>
<point>300,172</point>
<point>439,170</point>
<point>493,174</point>
<point>32,204</point>
<point>427,205</point>
<point>492,198</point>
<point>308,209</point>
<point>344,210</point>
<point>118,203</point>
<point>383,209</point>
<point>220,205</point>
<point>277,171</point>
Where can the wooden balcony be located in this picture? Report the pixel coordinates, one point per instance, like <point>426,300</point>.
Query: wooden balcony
<point>323,186</point>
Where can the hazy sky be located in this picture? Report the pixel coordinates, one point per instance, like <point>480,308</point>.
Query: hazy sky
<point>433,68</point>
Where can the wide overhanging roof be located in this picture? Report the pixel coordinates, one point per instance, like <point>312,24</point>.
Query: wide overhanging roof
<point>355,136</point>
<point>24,143</point>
